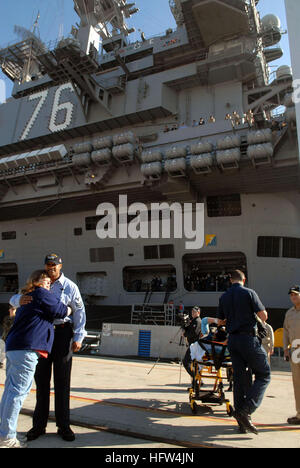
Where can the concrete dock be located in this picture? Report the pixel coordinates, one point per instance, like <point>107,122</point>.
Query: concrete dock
<point>122,403</point>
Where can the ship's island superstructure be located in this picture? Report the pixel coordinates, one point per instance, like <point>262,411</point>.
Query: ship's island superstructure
<point>185,117</point>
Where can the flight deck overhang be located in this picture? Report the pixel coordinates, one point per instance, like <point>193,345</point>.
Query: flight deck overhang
<point>56,114</point>
<point>240,161</point>
<point>216,20</point>
<point>90,128</point>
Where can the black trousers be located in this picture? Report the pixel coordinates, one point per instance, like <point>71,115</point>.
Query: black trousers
<point>61,361</point>
<point>247,353</point>
<point>187,361</point>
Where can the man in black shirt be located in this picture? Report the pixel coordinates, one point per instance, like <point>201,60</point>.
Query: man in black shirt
<point>192,334</point>
<point>239,307</point>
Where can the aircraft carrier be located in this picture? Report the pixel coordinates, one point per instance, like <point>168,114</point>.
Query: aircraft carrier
<point>191,116</point>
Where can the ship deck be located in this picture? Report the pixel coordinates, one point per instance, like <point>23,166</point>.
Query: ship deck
<point>124,403</point>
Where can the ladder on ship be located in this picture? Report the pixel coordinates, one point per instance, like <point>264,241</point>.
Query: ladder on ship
<point>154,314</point>
<point>148,296</point>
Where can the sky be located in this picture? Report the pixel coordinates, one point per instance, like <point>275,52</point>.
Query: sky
<point>58,16</point>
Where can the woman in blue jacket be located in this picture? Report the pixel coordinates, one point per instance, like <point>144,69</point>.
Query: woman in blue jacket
<point>31,336</point>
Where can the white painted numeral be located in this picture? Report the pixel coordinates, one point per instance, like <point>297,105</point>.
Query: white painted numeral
<point>68,107</point>
<point>42,96</point>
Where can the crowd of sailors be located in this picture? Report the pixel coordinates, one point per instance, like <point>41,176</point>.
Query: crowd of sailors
<point>234,118</point>
<point>194,281</point>
<point>206,282</point>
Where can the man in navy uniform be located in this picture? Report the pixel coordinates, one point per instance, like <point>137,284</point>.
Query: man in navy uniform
<point>69,334</point>
<point>238,307</point>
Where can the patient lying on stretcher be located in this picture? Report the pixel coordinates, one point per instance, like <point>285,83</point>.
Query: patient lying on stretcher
<point>200,349</point>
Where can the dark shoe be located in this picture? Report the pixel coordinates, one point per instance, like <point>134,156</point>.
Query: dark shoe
<point>66,434</point>
<point>294,421</point>
<point>245,422</point>
<point>35,433</point>
<point>242,429</point>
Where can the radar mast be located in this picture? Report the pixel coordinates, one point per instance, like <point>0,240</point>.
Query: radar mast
<point>175,6</point>
<point>102,19</point>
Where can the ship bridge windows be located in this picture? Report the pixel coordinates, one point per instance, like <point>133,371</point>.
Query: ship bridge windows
<point>268,246</point>
<point>210,272</point>
<point>106,254</point>
<point>91,222</point>
<point>224,205</point>
<point>275,247</point>
<point>291,247</point>
<point>9,235</point>
<point>156,252</point>
<point>155,278</point>
<point>78,231</point>
<point>9,278</point>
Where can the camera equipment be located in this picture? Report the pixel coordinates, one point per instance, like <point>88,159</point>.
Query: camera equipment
<point>184,320</point>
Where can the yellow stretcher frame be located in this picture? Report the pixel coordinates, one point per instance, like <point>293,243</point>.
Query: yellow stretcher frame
<point>205,369</point>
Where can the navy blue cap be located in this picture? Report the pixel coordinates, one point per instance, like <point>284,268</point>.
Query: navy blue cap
<point>53,258</point>
<point>295,289</point>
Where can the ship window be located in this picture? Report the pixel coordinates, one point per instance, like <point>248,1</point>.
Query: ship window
<point>166,251</point>
<point>106,254</point>
<point>210,272</point>
<point>9,278</point>
<point>152,252</point>
<point>91,222</point>
<point>9,235</point>
<point>77,231</point>
<point>155,278</point>
<point>224,205</point>
<point>268,246</point>
<point>291,247</point>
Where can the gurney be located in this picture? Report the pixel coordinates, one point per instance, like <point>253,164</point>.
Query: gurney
<point>209,361</point>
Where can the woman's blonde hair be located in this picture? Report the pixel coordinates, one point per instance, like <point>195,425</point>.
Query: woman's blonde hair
<point>34,278</point>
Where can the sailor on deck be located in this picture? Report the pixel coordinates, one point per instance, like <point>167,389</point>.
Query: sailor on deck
<point>239,306</point>
<point>69,334</point>
<point>291,344</point>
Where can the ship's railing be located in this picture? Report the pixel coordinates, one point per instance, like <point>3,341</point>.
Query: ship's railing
<point>62,41</point>
<point>20,42</point>
<point>34,167</point>
<point>153,314</point>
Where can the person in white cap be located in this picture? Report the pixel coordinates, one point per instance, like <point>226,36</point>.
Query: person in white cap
<point>291,344</point>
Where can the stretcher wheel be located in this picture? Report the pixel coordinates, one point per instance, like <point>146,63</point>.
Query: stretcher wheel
<point>230,411</point>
